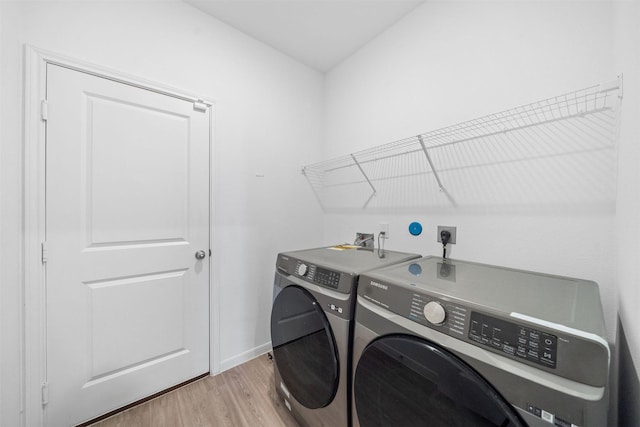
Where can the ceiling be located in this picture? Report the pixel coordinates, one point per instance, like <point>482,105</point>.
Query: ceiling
<point>319,33</point>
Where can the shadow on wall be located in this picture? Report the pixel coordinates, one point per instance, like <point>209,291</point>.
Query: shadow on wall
<point>628,385</point>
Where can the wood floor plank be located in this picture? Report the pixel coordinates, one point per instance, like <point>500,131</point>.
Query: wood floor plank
<point>242,396</point>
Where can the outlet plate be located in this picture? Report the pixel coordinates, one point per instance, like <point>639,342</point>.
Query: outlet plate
<point>452,230</point>
<point>384,228</point>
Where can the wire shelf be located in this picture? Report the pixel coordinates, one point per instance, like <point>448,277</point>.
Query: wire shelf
<point>578,122</point>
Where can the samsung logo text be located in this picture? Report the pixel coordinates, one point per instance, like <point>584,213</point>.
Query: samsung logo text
<point>379,285</point>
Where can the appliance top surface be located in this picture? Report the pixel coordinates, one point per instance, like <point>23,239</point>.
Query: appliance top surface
<point>574,303</point>
<point>350,260</point>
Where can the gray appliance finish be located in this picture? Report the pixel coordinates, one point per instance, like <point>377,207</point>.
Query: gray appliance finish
<point>476,344</point>
<point>311,328</point>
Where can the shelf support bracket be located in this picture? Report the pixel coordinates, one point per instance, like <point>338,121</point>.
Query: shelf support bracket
<point>363,173</point>
<point>433,169</point>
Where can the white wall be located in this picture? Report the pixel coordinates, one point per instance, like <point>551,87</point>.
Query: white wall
<point>10,213</point>
<point>627,49</point>
<point>448,62</point>
<point>2,332</point>
<point>268,122</point>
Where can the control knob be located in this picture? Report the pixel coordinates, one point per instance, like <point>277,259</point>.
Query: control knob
<point>435,313</point>
<point>302,269</point>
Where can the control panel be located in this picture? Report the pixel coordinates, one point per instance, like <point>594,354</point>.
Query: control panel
<point>448,316</point>
<point>318,275</point>
<point>514,340</point>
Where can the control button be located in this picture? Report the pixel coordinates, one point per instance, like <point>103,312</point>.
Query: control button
<point>435,313</point>
<point>534,335</point>
<point>534,410</point>
<point>522,341</point>
<point>533,344</point>
<point>302,269</point>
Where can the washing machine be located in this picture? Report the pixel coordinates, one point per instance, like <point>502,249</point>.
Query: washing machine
<point>311,328</point>
<point>454,343</point>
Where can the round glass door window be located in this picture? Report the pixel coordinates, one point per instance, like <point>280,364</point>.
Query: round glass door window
<point>304,348</point>
<point>403,380</point>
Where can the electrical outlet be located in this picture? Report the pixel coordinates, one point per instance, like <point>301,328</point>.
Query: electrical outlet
<point>384,228</point>
<point>452,230</point>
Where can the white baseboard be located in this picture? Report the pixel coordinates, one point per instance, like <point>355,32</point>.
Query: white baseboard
<point>243,357</point>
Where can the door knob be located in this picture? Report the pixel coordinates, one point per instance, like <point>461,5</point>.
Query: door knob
<point>201,254</point>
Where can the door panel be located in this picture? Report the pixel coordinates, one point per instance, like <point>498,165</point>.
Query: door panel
<point>116,213</point>
<point>160,332</point>
<point>127,207</point>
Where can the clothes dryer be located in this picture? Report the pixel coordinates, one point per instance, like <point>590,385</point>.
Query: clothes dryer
<point>453,343</point>
<point>311,327</point>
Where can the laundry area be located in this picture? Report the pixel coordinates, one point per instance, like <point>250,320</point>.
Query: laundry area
<point>345,213</point>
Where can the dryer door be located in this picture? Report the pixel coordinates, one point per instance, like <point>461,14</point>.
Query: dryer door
<point>402,380</point>
<point>304,347</point>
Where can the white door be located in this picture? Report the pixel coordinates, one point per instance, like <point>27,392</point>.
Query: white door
<point>127,208</point>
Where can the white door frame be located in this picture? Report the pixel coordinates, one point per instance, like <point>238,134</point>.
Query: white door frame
<point>34,328</point>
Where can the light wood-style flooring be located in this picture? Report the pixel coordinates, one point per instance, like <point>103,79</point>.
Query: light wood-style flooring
<point>242,396</point>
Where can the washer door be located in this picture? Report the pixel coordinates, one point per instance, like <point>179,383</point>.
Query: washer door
<point>304,347</point>
<point>403,380</point>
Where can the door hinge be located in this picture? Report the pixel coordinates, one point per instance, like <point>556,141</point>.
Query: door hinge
<point>45,393</point>
<point>44,252</point>
<point>200,105</point>
<point>44,110</point>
